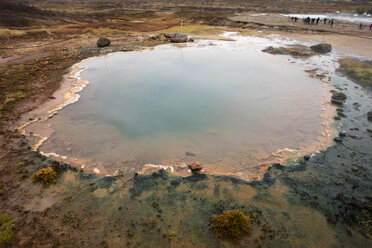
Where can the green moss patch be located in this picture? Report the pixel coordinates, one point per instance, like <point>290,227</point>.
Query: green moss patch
<point>357,70</point>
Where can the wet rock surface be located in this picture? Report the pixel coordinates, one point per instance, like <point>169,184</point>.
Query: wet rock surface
<point>338,181</point>
<point>179,38</point>
<point>338,98</point>
<point>298,51</point>
<point>322,48</point>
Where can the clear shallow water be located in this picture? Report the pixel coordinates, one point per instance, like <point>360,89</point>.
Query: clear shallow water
<point>232,107</point>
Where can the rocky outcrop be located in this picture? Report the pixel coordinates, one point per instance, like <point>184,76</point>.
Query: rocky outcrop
<point>179,38</point>
<point>322,48</point>
<point>103,42</point>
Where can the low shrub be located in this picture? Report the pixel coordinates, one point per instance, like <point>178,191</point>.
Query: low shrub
<point>7,228</point>
<point>45,176</point>
<point>172,235</point>
<point>231,224</point>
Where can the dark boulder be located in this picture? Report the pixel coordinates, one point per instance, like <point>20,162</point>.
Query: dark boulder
<point>322,48</point>
<point>103,42</point>
<point>179,38</point>
<point>338,98</point>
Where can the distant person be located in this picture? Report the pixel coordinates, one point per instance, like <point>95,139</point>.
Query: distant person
<point>308,20</point>
<point>325,21</point>
<point>317,21</point>
<point>313,21</point>
<point>361,26</point>
<point>332,22</point>
<point>292,18</point>
<point>370,27</point>
<point>295,19</point>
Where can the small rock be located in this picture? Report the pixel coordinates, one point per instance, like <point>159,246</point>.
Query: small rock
<point>369,115</point>
<point>339,96</point>
<point>195,167</point>
<point>355,169</point>
<point>190,154</point>
<point>354,136</point>
<point>342,134</point>
<point>322,48</point>
<point>118,173</point>
<point>337,140</point>
<point>342,115</point>
<point>103,42</point>
<point>337,102</point>
<point>339,183</point>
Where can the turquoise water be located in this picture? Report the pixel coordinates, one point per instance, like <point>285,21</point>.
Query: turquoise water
<point>231,108</point>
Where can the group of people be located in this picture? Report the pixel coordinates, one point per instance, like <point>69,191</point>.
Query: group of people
<point>361,26</point>
<point>316,21</point>
<point>312,21</point>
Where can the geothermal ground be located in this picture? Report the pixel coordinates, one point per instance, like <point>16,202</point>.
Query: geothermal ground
<point>318,198</point>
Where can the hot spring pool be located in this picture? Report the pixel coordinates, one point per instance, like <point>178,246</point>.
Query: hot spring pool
<point>228,108</point>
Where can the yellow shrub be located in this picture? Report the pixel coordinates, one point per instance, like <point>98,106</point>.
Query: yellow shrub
<point>231,224</point>
<point>45,176</point>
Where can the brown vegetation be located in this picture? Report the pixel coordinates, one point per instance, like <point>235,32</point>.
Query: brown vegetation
<point>231,224</point>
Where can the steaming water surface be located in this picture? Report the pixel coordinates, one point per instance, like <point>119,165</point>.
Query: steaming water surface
<point>230,109</point>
